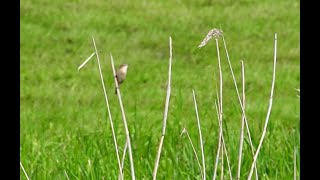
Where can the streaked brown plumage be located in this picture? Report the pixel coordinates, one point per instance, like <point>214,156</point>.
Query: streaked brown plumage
<point>121,74</point>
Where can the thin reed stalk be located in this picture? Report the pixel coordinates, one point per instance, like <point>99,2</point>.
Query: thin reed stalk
<point>218,151</point>
<point>194,150</point>
<point>87,60</point>
<point>124,121</point>
<point>224,150</point>
<point>269,108</point>
<point>295,164</point>
<point>65,173</point>
<point>165,114</point>
<point>240,102</point>
<point>200,135</point>
<point>108,107</point>
<point>221,174</point>
<point>242,122</point>
<point>123,158</point>
<point>220,97</point>
<point>24,171</point>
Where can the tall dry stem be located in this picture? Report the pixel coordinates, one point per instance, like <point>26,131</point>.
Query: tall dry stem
<point>200,135</point>
<point>242,122</point>
<point>107,103</point>
<point>165,114</point>
<point>194,150</point>
<point>124,121</point>
<point>269,108</point>
<point>241,105</point>
<point>24,171</point>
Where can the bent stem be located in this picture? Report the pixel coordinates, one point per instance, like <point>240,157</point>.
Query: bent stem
<point>269,108</point>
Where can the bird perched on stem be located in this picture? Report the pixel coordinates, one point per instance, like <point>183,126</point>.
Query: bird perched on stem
<point>121,74</point>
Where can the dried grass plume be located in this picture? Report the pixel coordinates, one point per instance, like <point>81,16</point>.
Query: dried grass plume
<point>216,33</point>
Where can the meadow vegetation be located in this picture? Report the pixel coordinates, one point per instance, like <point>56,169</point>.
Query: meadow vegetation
<point>64,126</point>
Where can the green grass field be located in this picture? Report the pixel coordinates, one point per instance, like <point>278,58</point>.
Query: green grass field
<point>64,125</point>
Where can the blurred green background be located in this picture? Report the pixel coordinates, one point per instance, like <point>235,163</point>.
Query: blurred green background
<point>63,118</point>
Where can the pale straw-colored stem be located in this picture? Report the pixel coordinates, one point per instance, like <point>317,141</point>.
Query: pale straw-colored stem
<point>194,150</point>
<point>242,122</point>
<point>269,108</point>
<point>122,161</point>
<point>124,121</point>
<point>295,164</point>
<point>221,109</point>
<point>200,135</point>
<point>24,171</point>
<point>108,107</point>
<point>218,150</point>
<point>87,60</point>
<point>221,174</point>
<point>65,173</point>
<point>165,114</point>
<point>224,150</point>
<point>240,102</point>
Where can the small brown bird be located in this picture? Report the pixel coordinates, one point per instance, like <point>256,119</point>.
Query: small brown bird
<point>121,74</point>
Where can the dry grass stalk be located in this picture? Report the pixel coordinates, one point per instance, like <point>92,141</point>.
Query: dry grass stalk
<point>108,107</point>
<point>218,151</point>
<point>242,121</point>
<point>122,161</point>
<point>65,173</point>
<point>221,109</point>
<point>24,171</point>
<point>224,150</point>
<point>124,120</point>
<point>222,160</point>
<point>165,114</point>
<point>200,135</point>
<point>85,62</point>
<point>269,108</point>
<point>184,131</point>
<point>241,105</point>
<point>298,91</point>
<point>213,33</point>
<point>295,164</point>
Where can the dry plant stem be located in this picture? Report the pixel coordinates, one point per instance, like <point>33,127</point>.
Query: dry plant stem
<point>295,164</point>
<point>108,107</point>
<point>219,146</point>
<point>224,150</point>
<point>242,121</point>
<point>25,173</point>
<point>200,135</point>
<point>221,175</point>
<point>85,62</point>
<point>122,161</point>
<point>269,108</point>
<point>194,150</point>
<point>242,108</point>
<point>165,114</point>
<point>124,121</point>
<point>221,109</point>
<point>65,173</point>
